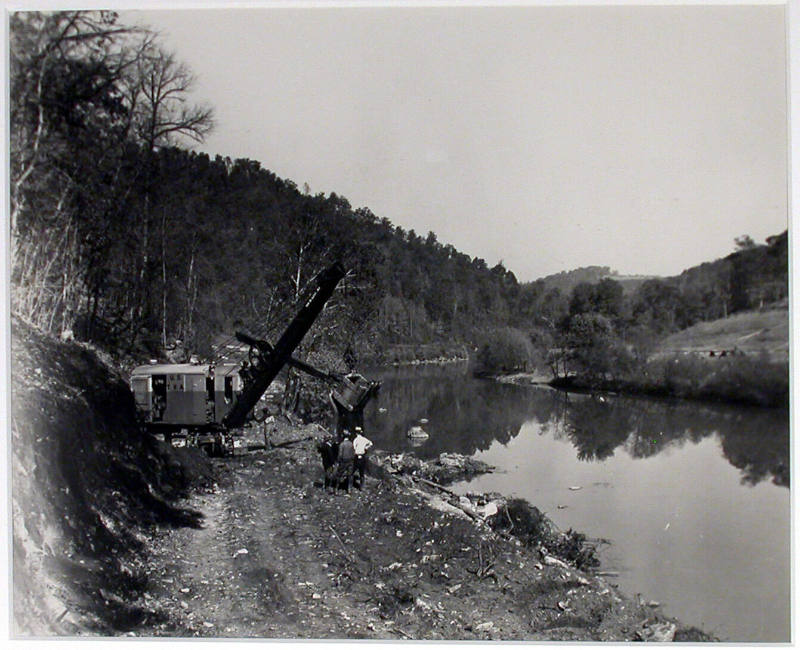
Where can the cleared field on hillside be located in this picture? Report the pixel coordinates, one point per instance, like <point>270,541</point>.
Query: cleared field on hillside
<point>749,332</point>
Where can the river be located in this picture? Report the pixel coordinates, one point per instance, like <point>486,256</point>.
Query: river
<point>694,498</point>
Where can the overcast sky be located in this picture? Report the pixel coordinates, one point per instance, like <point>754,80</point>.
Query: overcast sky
<point>641,138</point>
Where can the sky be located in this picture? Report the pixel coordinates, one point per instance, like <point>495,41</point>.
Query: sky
<point>644,138</point>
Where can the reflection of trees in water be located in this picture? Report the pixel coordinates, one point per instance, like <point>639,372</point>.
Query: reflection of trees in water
<point>756,441</point>
<point>467,415</point>
<point>759,452</point>
<point>595,428</point>
<point>464,415</point>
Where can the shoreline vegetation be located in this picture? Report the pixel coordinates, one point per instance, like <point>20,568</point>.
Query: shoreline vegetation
<point>741,381</point>
<point>746,380</point>
<point>741,359</point>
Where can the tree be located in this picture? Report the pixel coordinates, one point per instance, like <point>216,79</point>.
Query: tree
<point>58,62</point>
<point>66,113</point>
<point>605,298</point>
<point>157,96</point>
<point>504,350</point>
<point>582,299</point>
<point>660,306</point>
<point>608,298</point>
<point>553,307</point>
<point>594,348</point>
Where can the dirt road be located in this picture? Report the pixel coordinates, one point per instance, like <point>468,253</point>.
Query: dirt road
<point>258,567</point>
<point>279,557</point>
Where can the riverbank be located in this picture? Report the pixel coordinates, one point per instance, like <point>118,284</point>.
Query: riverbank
<point>414,354</point>
<point>744,381</point>
<point>279,557</point>
<point>118,534</point>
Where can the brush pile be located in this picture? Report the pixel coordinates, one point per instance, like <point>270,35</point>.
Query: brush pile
<point>447,468</point>
<point>532,527</point>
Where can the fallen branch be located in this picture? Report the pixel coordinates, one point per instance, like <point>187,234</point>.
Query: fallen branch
<point>471,514</point>
<point>474,516</point>
<point>279,445</point>
<point>436,485</point>
<point>484,568</point>
<point>397,630</point>
<point>339,539</point>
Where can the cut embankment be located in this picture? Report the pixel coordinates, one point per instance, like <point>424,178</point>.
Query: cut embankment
<point>86,488</point>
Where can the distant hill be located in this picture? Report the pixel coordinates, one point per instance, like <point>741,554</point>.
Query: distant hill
<point>630,283</point>
<point>752,277</point>
<point>566,281</point>
<point>749,278</point>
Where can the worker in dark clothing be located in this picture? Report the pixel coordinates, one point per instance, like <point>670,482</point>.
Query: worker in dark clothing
<point>344,462</point>
<point>328,449</point>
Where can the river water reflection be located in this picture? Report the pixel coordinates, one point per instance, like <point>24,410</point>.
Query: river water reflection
<point>694,497</point>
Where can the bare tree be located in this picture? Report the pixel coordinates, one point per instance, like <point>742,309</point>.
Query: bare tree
<point>158,97</point>
<point>84,89</point>
<point>159,101</point>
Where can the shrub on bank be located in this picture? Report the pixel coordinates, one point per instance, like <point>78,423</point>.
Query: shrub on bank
<point>503,350</point>
<point>753,380</point>
<point>531,526</point>
<point>745,379</point>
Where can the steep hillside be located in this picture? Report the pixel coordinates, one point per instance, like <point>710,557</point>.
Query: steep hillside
<point>86,486</point>
<point>748,278</point>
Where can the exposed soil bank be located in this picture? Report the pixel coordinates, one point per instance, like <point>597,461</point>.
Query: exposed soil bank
<point>87,490</point>
<point>418,354</point>
<point>115,533</point>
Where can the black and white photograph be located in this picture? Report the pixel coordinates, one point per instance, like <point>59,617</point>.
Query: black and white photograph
<point>399,322</point>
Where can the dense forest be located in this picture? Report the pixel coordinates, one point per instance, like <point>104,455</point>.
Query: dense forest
<point>124,236</point>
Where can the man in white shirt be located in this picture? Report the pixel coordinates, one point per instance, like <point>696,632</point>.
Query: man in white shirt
<point>360,445</point>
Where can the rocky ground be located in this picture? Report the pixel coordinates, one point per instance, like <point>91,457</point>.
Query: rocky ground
<point>278,556</point>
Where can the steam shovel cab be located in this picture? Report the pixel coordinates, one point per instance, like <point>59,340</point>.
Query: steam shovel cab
<point>186,403</point>
<point>205,403</point>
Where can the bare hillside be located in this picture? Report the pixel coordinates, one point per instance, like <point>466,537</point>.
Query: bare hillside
<point>751,332</point>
